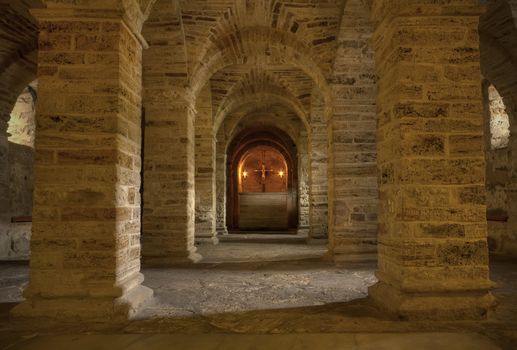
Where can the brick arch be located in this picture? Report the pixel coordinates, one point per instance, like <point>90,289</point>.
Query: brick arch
<point>243,142</point>
<point>499,68</point>
<point>264,118</point>
<point>250,101</point>
<point>146,6</point>
<point>18,66</point>
<point>18,53</point>
<point>498,50</point>
<point>498,45</point>
<point>268,116</point>
<point>13,80</point>
<point>259,80</point>
<point>259,46</point>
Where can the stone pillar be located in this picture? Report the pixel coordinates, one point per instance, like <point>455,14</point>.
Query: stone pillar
<point>220,185</point>
<point>85,262</point>
<point>433,256</point>
<point>318,153</point>
<point>303,185</point>
<point>205,169</point>
<point>354,194</point>
<point>169,158</point>
<point>169,198</point>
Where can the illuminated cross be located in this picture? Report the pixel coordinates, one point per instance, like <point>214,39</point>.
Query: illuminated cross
<point>262,168</point>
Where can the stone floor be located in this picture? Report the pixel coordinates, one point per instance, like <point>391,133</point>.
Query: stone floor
<point>369,341</point>
<point>286,293</point>
<point>238,277</point>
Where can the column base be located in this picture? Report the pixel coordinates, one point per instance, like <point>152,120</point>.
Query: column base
<point>302,231</point>
<point>350,257</point>
<point>173,259</point>
<point>453,305</point>
<point>222,231</point>
<point>207,240</point>
<point>90,309</point>
<point>317,241</point>
<point>340,258</point>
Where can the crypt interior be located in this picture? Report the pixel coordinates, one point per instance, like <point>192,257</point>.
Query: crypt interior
<point>258,174</point>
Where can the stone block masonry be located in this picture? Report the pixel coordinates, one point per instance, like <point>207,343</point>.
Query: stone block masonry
<point>433,256</point>
<point>169,159</point>
<point>318,174</point>
<point>85,243</point>
<point>205,169</point>
<point>353,191</point>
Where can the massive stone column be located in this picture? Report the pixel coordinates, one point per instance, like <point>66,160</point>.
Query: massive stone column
<point>169,198</point>
<point>354,195</point>
<point>205,169</point>
<point>303,185</point>
<point>169,163</point>
<point>433,256</point>
<point>85,261</point>
<point>354,200</point>
<point>318,177</point>
<point>221,186</point>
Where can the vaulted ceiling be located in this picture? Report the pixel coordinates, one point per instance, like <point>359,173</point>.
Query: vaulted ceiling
<point>250,52</point>
<point>256,47</point>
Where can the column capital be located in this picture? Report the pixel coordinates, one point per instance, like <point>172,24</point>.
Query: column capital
<point>126,13</point>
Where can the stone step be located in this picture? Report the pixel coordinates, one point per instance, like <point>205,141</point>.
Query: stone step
<point>264,237</point>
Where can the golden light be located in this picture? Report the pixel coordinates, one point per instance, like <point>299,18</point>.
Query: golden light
<point>244,174</point>
<point>281,173</point>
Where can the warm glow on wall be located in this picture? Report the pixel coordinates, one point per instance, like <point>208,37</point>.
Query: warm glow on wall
<point>262,169</point>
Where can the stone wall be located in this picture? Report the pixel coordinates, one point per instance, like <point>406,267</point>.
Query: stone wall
<point>18,68</point>
<point>498,33</point>
<point>15,236</point>
<point>498,172</point>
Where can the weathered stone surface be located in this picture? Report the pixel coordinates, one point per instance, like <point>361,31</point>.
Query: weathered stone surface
<point>205,169</point>
<point>433,253</point>
<point>169,159</point>
<point>97,280</point>
<point>353,194</point>
<point>387,146</point>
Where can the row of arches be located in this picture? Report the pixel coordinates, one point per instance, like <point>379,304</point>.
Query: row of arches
<point>314,95</point>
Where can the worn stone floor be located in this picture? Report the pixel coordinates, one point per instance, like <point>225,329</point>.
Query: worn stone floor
<point>365,341</point>
<point>269,290</point>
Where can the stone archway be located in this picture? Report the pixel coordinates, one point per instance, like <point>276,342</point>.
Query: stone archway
<point>239,148</point>
<point>498,34</point>
<point>15,226</point>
